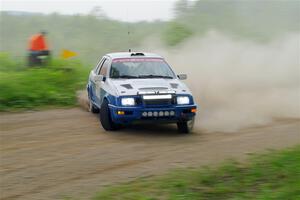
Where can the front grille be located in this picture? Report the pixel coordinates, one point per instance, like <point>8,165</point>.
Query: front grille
<point>157,102</point>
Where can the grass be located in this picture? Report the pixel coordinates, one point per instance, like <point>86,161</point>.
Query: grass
<point>56,84</point>
<point>275,175</point>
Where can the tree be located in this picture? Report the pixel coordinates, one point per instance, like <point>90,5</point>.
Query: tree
<point>181,7</point>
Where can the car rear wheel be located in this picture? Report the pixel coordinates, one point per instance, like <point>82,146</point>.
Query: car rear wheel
<point>186,127</point>
<point>105,117</point>
<point>93,108</point>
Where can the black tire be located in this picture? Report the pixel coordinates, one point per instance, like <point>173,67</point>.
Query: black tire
<point>186,126</point>
<point>105,118</point>
<point>93,108</point>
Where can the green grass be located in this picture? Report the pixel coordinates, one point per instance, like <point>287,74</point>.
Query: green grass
<point>275,175</point>
<point>56,84</point>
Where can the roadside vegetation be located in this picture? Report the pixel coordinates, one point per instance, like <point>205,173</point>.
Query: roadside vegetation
<point>176,33</point>
<point>56,84</point>
<point>274,175</point>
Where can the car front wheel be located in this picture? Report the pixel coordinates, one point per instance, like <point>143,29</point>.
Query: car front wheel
<point>186,126</point>
<point>105,117</point>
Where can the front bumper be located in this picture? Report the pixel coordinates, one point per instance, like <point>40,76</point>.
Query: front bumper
<point>126,115</point>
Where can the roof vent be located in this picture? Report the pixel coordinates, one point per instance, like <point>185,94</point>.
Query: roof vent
<point>137,54</point>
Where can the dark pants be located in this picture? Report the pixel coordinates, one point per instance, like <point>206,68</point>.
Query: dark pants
<point>38,58</point>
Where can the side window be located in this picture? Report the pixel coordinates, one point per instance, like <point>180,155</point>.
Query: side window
<point>97,68</point>
<point>103,70</point>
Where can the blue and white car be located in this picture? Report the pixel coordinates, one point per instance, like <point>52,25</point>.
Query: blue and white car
<point>131,87</point>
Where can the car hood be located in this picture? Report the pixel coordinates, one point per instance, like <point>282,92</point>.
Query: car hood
<point>133,86</point>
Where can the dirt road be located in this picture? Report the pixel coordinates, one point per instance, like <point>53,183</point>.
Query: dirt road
<point>59,153</point>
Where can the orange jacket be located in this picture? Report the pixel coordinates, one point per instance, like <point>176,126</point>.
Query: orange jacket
<point>38,43</point>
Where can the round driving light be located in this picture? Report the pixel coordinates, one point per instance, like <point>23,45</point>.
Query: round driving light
<point>161,113</point>
<point>155,114</point>
<point>172,113</point>
<point>150,114</point>
<point>144,114</point>
<point>167,113</point>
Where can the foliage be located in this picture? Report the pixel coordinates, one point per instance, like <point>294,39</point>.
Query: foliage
<point>255,20</point>
<point>270,176</point>
<point>54,84</point>
<point>176,33</point>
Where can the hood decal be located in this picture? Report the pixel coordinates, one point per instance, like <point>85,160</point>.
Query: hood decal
<point>127,86</point>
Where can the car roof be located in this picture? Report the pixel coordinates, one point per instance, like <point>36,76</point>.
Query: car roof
<point>133,54</point>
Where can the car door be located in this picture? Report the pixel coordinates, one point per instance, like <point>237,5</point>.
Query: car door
<point>100,84</point>
<point>92,80</point>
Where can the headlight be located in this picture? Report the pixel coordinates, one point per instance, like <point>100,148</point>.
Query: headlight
<point>183,100</point>
<point>127,102</point>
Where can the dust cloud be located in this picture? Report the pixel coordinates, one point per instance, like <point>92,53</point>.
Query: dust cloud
<point>82,99</point>
<point>238,83</point>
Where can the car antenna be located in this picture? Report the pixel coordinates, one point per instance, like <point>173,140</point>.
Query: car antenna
<point>128,34</point>
<point>128,30</point>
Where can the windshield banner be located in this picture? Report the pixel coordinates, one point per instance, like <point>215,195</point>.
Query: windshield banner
<point>137,60</point>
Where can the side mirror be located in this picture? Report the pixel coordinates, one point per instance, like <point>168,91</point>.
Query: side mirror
<point>182,76</point>
<point>99,78</point>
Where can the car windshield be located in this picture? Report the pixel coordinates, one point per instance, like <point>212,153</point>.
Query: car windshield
<point>140,68</point>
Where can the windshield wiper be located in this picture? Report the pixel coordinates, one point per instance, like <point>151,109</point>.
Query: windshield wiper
<point>154,76</point>
<point>125,76</point>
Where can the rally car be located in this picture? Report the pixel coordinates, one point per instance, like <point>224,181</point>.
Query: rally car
<point>132,87</point>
